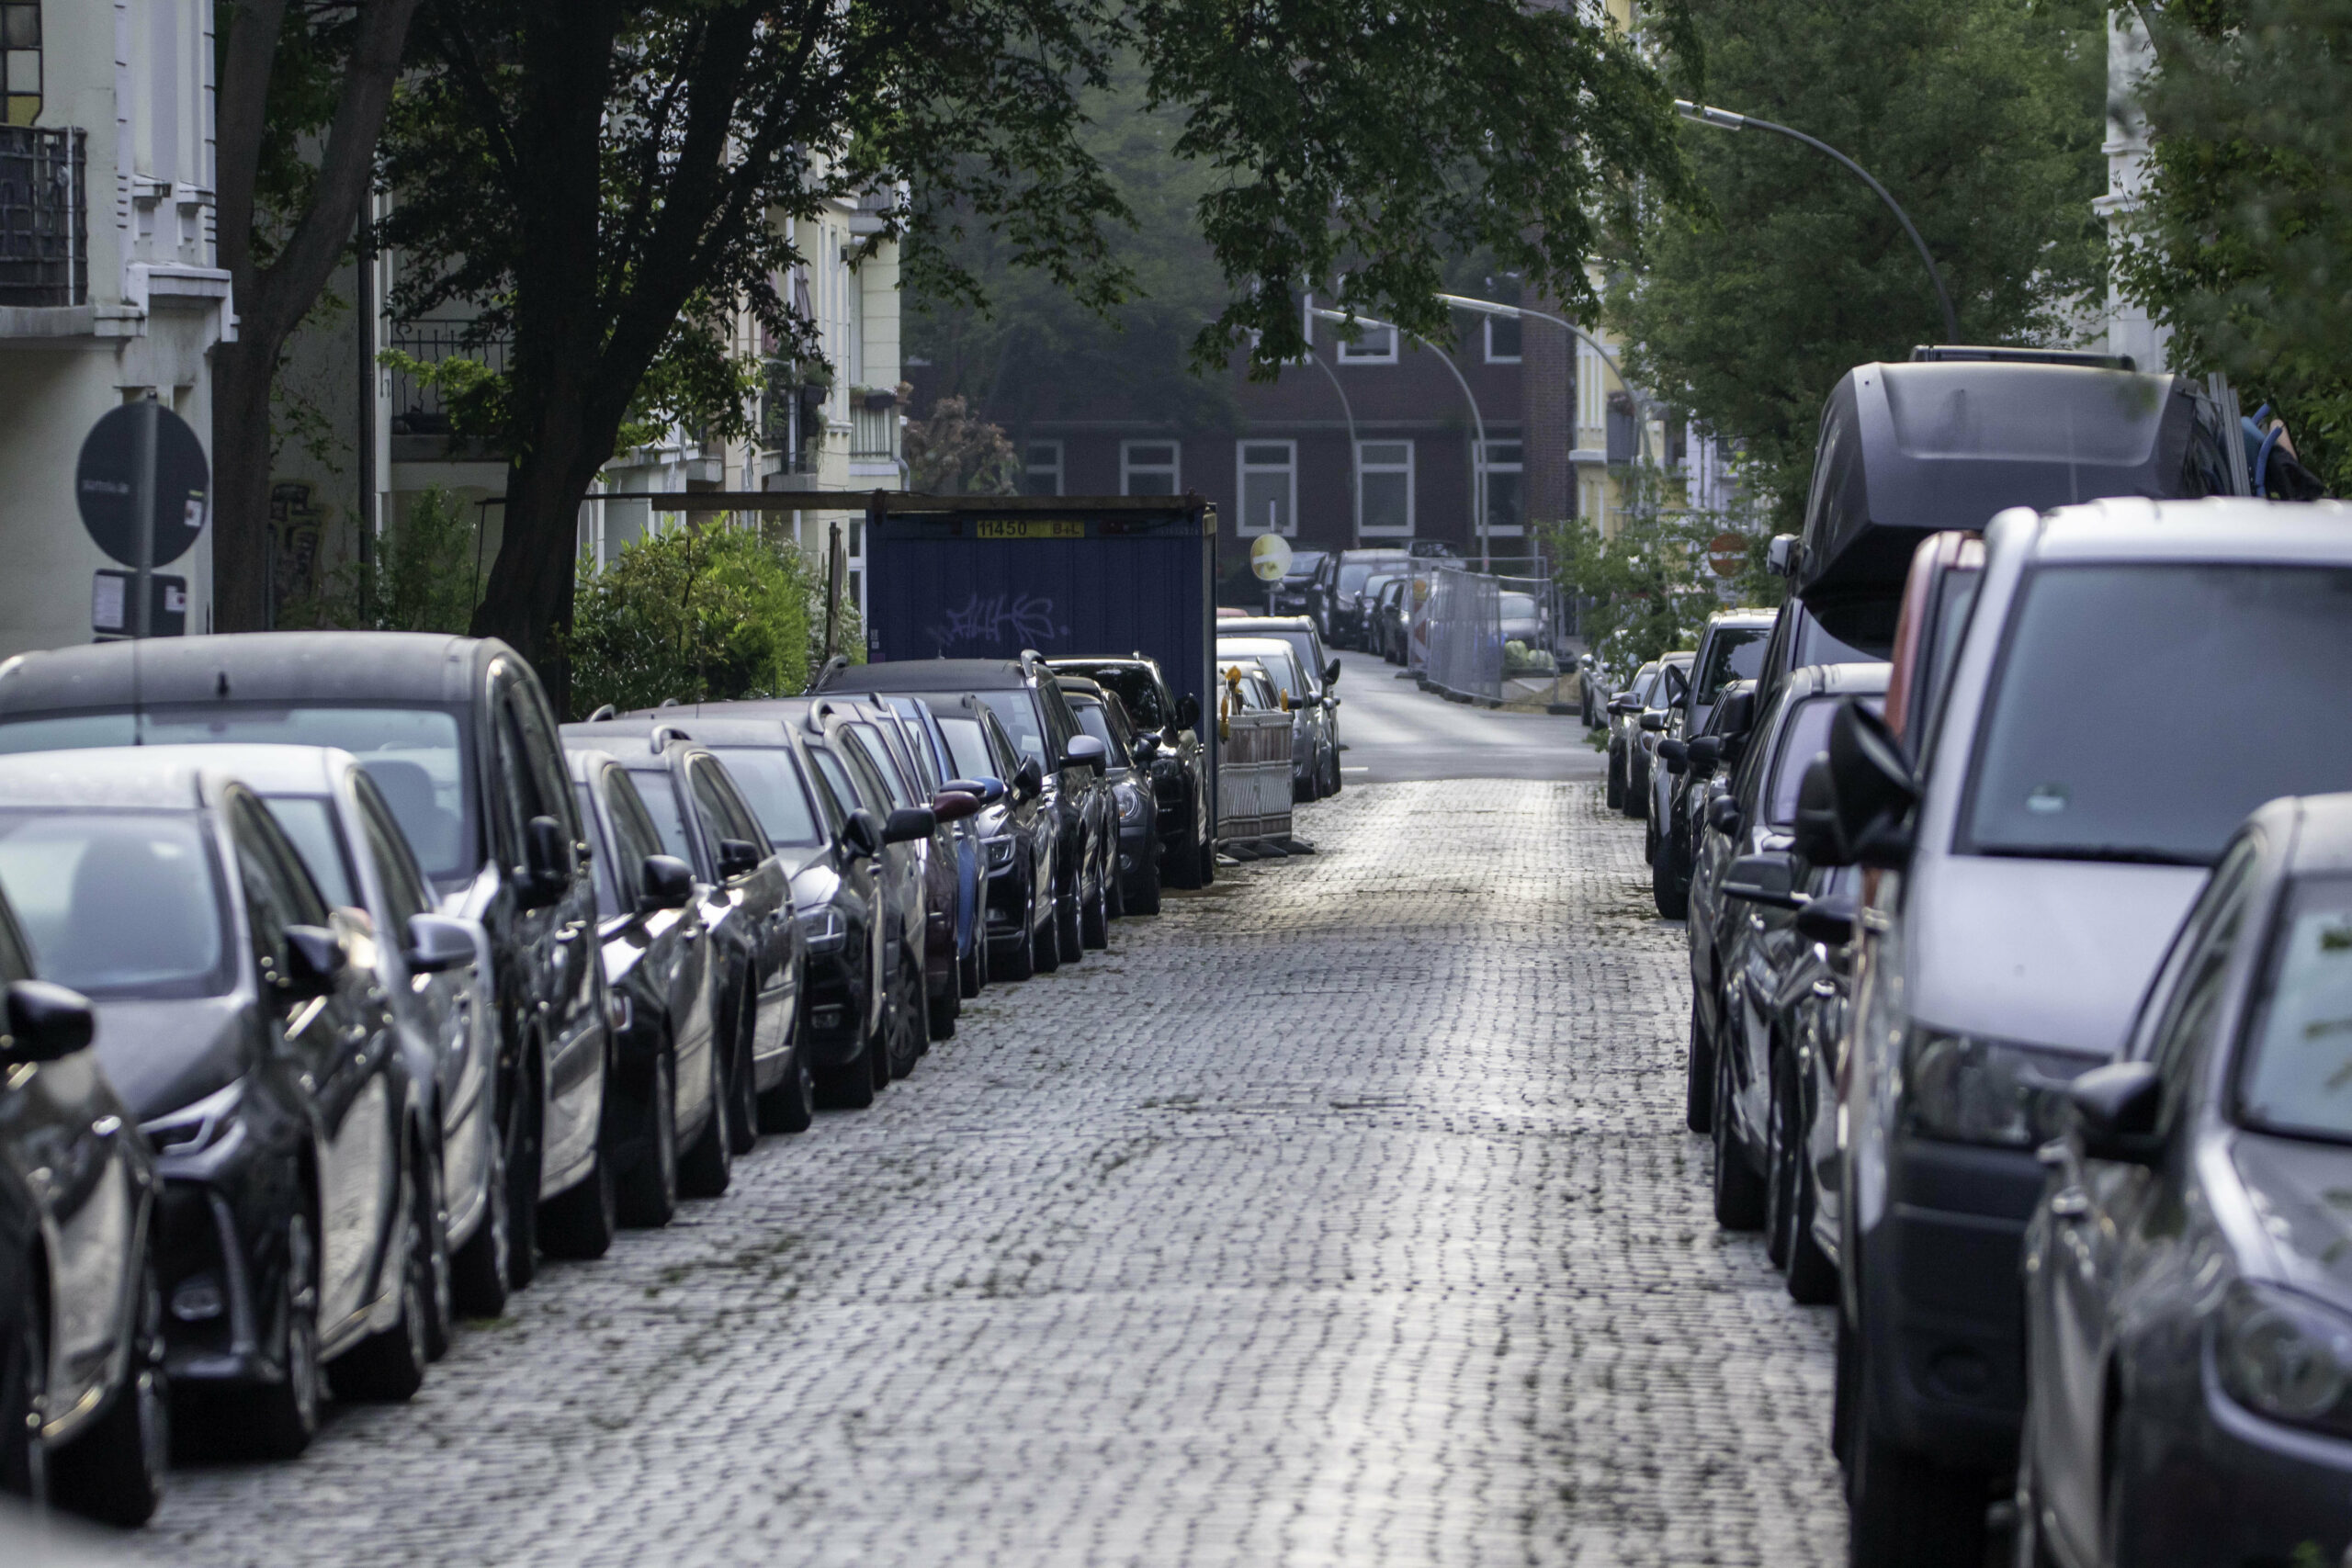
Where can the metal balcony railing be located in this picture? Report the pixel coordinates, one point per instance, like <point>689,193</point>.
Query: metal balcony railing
<point>417,405</point>
<point>44,222</point>
<point>874,434</point>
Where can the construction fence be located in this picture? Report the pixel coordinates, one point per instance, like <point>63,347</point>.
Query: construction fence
<point>1484,638</point>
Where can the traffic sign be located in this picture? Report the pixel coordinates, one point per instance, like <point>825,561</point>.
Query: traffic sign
<point>107,479</point>
<point>1269,557</point>
<point>1728,553</point>
<point>111,599</point>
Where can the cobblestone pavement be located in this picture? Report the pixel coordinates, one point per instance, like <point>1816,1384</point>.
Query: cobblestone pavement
<point>1342,1214</point>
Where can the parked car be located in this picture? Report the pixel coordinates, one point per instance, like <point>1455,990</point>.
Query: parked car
<point>1307,587</point>
<point>84,1390</point>
<point>1025,699</point>
<point>2045,849</point>
<point>1019,835</point>
<point>1938,596</point>
<point>1314,749</point>
<point>1731,648</point>
<point>1361,630</point>
<point>1353,585</point>
<point>1657,720</point>
<point>459,737</point>
<point>1624,711</point>
<point>1127,766</point>
<point>1179,765</point>
<point>1799,641</point>
<point>1389,610</point>
<point>354,848</point>
<point>1317,671</point>
<point>296,1226</point>
<point>2187,1306</point>
<point>666,1115</point>
<point>937,765</point>
<point>1697,770</point>
<point>1524,622</point>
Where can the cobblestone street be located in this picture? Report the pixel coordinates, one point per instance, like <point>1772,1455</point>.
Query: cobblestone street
<point>1343,1214</point>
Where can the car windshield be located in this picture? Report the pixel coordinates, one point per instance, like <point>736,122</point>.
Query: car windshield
<point>1303,564</point>
<point>1136,688</point>
<point>1274,657</point>
<point>660,793</point>
<point>309,821</point>
<point>2141,711</point>
<point>1356,576</point>
<point>772,785</point>
<point>1017,711</point>
<point>117,904</point>
<point>1734,653</point>
<point>2296,1075</point>
<point>1097,723</point>
<point>414,754</point>
<point>1806,737</point>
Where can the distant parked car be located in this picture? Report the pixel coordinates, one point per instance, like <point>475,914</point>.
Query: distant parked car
<point>1388,611</point>
<point>1731,648</point>
<point>295,1228</point>
<point>1655,721</point>
<point>2047,846</point>
<point>460,737</point>
<point>1314,747</point>
<point>1624,709</point>
<point>1352,588</point>
<point>1307,587</point>
<point>1019,834</point>
<point>84,1394</point>
<point>1127,767</point>
<point>2188,1312</point>
<point>1179,765</point>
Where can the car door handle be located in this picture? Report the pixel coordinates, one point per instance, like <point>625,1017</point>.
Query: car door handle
<point>569,931</point>
<point>1824,989</point>
<point>2070,1203</point>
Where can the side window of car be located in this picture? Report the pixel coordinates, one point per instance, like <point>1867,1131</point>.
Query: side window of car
<point>2166,996</point>
<point>2192,1016</point>
<point>722,813</point>
<point>544,755</point>
<point>834,775</point>
<point>1746,783</point>
<point>403,884</point>
<point>1060,725</point>
<point>15,957</point>
<point>634,836</point>
<point>518,789</point>
<point>742,822</point>
<point>827,805</point>
<point>267,906</point>
<point>862,767</point>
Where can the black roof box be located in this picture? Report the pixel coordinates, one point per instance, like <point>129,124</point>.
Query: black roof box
<point>1958,435</point>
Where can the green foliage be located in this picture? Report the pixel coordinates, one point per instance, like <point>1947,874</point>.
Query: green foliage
<point>424,576</point>
<point>707,614</point>
<point>2243,244</point>
<point>1649,588</point>
<point>952,453</point>
<point>1981,116</point>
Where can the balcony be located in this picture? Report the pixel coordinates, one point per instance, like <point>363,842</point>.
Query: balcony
<point>874,434</point>
<point>44,221</point>
<point>419,403</point>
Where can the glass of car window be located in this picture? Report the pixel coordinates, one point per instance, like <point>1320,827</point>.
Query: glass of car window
<point>658,791</point>
<point>772,787</point>
<point>2296,1075</point>
<point>309,821</point>
<point>1736,654</point>
<point>117,904</point>
<point>1097,723</point>
<point>1018,714</point>
<point>1805,738</point>
<point>967,750</point>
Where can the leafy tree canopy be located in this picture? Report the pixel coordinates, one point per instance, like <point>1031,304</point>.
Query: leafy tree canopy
<point>2243,244</point>
<point>1981,116</point>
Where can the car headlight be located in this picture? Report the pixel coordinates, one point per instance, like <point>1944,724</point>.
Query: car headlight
<point>1975,1090</point>
<point>824,929</point>
<point>1000,851</point>
<point>196,1127</point>
<point>2285,1356</point>
<point>1130,803</point>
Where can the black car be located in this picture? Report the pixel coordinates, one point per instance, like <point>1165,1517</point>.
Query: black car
<point>1305,588</point>
<point>1350,622</point>
<point>1179,766</point>
<point>1020,838</point>
<point>1127,768</point>
<point>665,1116</point>
<point>1023,695</point>
<point>1693,770</point>
<point>84,1396</point>
<point>296,1222</point>
<point>1731,648</point>
<point>458,735</point>
<point>928,745</point>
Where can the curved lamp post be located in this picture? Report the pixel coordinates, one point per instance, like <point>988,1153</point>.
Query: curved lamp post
<point>1723,119</point>
<point>1478,458</point>
<point>1490,308</point>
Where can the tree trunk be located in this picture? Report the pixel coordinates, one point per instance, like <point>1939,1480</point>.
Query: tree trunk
<point>241,374</point>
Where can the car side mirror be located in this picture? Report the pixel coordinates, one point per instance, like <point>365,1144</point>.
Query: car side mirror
<point>1769,878</point>
<point>1827,921</point>
<point>862,834</point>
<point>1780,555</point>
<point>1188,711</point>
<point>1031,779</point>
<point>2115,1111</point>
<point>1702,755</point>
<point>739,857</point>
<point>1624,701</point>
<point>987,792</point>
<point>1739,713</point>
<point>1653,720</point>
<point>909,823</point>
<point>315,956</point>
<point>1675,754</point>
<point>1145,747</point>
<point>1815,833</point>
<point>1723,815</point>
<point>668,883</point>
<point>1872,786</point>
<point>1085,751</point>
<point>437,945</point>
<point>546,863</point>
<point>45,1021</point>
<point>953,804</point>
<point>1332,673</point>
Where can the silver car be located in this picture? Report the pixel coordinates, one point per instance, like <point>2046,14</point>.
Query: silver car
<point>1314,741</point>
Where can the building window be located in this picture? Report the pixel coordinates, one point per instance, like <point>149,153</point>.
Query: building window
<point>1041,467</point>
<point>1148,468</point>
<point>1592,505</point>
<point>1376,346</point>
<point>1385,490</point>
<point>1268,486</point>
<point>1502,339</point>
<point>20,37</point>
<point>1500,463</point>
<point>1592,399</point>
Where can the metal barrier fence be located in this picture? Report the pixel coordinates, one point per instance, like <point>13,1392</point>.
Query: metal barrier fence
<point>1253,787</point>
<point>1473,632</point>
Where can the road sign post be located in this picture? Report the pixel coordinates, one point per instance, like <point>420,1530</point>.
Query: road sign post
<point>143,488</point>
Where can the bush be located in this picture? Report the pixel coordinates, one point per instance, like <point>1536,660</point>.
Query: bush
<point>424,576</point>
<point>708,614</point>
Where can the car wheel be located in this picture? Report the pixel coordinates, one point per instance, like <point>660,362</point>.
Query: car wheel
<point>1145,899</point>
<point>707,1165</point>
<point>284,1416</point>
<point>1667,890</point>
<point>2032,1548</point>
<point>1698,1077</point>
<point>1739,1190</point>
<point>580,1222</point>
<point>389,1367</point>
<point>479,1285</point>
<point>1812,1277</point>
<point>114,1472</point>
<point>649,1192</point>
<point>744,1083</point>
<point>1616,787</point>
<point>1904,1512</point>
<point>1114,884</point>
<point>791,1105</point>
<point>1780,1164</point>
<point>24,1390</point>
<point>910,1010</point>
<point>1045,942</point>
<point>1094,913</point>
<point>1209,863</point>
<point>1019,955</point>
<point>849,1087</point>
<point>525,1132</point>
<point>971,972</point>
<point>1070,918</point>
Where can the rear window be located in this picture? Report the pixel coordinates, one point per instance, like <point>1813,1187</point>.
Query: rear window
<point>117,904</point>
<point>1734,653</point>
<point>2141,711</point>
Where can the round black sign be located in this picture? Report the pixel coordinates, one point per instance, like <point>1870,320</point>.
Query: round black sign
<point>105,480</point>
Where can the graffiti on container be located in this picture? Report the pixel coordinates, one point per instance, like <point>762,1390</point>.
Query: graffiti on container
<point>999,620</point>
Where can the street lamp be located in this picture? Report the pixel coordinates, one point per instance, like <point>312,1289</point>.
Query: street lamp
<point>1490,308</point>
<point>1723,119</point>
<point>1478,458</point>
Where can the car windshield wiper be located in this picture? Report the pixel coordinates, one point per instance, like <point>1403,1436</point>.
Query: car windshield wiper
<point>2119,854</point>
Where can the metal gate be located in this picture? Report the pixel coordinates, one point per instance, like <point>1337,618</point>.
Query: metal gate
<point>1253,797</point>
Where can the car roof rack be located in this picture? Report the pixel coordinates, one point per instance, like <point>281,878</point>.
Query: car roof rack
<point>1952,352</point>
